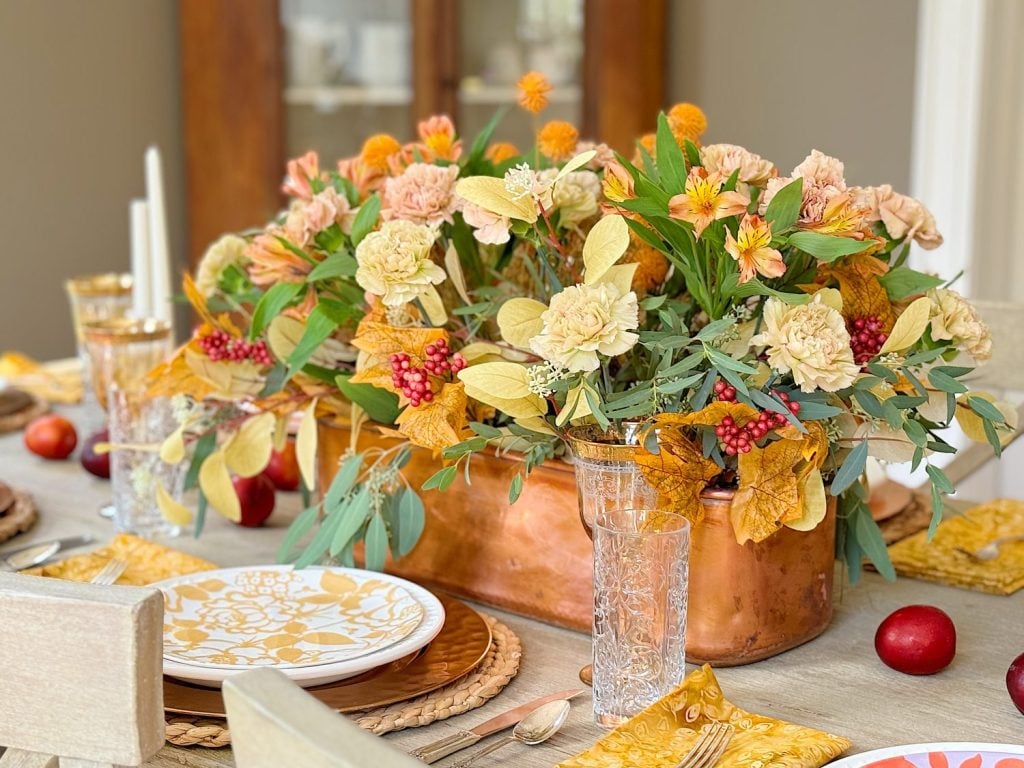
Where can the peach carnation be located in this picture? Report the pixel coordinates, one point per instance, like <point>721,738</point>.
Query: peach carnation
<point>726,159</point>
<point>424,194</point>
<point>490,228</point>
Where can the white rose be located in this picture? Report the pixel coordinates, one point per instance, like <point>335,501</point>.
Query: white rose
<point>584,321</point>
<point>394,262</point>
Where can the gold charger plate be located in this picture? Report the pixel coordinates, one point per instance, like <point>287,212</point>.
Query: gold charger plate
<point>457,650</point>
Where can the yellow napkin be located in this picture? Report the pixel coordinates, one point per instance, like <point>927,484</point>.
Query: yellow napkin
<point>661,735</point>
<point>59,381</point>
<point>940,560</point>
<point>148,562</point>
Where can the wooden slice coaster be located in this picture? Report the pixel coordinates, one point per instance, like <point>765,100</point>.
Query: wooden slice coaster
<point>18,408</point>
<point>19,516</point>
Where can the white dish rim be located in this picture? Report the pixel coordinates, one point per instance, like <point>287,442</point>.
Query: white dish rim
<point>864,758</point>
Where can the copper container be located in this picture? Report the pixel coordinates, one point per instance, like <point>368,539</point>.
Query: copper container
<point>753,601</point>
<point>532,557</point>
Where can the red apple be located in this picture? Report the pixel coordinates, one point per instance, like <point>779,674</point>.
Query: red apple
<point>52,437</point>
<point>283,469</point>
<point>96,463</point>
<point>256,496</point>
<point>1015,682</point>
<point>916,640</point>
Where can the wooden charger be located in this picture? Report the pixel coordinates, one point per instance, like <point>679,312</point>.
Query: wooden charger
<point>81,674</point>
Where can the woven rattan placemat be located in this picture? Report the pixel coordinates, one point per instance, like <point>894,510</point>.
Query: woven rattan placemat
<point>497,669</point>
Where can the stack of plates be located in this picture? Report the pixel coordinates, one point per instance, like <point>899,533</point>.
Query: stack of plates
<point>317,625</point>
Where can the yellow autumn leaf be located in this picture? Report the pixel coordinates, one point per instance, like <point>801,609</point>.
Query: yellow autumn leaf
<point>432,304</point>
<point>862,294</point>
<point>814,503</point>
<point>973,425</point>
<point>172,510</point>
<point>305,446</point>
<point>228,379</point>
<point>605,244</point>
<point>576,163</point>
<point>909,327</point>
<point>381,340</point>
<point>490,194</point>
<point>536,424</point>
<point>172,450</point>
<point>519,321</point>
<point>453,267</point>
<point>281,431</point>
<point>484,351</point>
<point>830,297</point>
<point>247,452</point>
<point>215,482</point>
<point>576,405</point>
<point>709,416</point>
<point>679,471</point>
<point>769,492</point>
<point>508,381</point>
<point>283,335</point>
<point>516,407</point>
<point>621,276</point>
<point>437,424</point>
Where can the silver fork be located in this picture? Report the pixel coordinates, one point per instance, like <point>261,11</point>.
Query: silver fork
<point>714,738</point>
<point>110,572</point>
<point>991,550</point>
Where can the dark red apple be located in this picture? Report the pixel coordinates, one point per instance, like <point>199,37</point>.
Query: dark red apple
<point>283,469</point>
<point>1015,682</point>
<point>916,640</point>
<point>52,437</point>
<point>96,463</point>
<point>256,497</point>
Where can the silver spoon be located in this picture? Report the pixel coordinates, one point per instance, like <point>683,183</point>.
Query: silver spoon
<point>540,725</point>
<point>991,550</point>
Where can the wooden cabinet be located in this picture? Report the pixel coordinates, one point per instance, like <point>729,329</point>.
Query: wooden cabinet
<point>267,79</point>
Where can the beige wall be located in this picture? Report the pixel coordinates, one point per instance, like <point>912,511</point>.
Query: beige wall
<point>85,87</point>
<point>785,76</point>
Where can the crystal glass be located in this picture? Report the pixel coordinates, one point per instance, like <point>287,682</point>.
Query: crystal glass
<point>123,351</point>
<point>93,298</point>
<point>640,583</point>
<point>138,426</point>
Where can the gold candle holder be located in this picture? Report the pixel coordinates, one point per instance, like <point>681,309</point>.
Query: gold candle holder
<point>123,350</point>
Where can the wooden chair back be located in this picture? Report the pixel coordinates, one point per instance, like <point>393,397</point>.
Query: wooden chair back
<point>81,673</point>
<point>275,723</point>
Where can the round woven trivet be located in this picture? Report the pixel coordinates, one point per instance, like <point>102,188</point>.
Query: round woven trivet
<point>497,669</point>
<point>19,517</point>
<point>14,420</point>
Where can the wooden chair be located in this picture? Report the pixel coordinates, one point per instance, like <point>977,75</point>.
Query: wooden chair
<point>80,674</point>
<point>275,723</point>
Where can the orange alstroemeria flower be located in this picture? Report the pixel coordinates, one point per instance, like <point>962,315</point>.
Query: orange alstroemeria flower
<point>365,179</point>
<point>300,171</point>
<point>751,249</point>
<point>617,183</point>
<point>271,262</point>
<point>438,136</point>
<point>703,200</point>
<point>842,218</point>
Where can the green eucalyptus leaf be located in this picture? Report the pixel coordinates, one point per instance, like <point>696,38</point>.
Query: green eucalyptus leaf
<point>343,482</point>
<point>300,526</point>
<point>851,469</point>
<point>411,520</point>
<point>376,551</point>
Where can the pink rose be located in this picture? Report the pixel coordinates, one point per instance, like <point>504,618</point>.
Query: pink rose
<point>423,194</point>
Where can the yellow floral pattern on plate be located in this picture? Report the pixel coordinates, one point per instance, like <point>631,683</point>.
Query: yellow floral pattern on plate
<point>276,616</point>
<point>942,560</point>
<point>661,735</point>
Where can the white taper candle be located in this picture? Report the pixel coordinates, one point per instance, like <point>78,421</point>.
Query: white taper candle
<point>142,282</point>
<point>159,251</point>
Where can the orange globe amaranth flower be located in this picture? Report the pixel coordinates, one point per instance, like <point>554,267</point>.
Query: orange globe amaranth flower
<point>501,151</point>
<point>533,91</point>
<point>687,121</point>
<point>558,140</point>
<point>652,266</point>
<point>377,149</point>
<point>649,143</point>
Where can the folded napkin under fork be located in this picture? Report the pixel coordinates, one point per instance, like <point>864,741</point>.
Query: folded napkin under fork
<point>944,558</point>
<point>661,735</point>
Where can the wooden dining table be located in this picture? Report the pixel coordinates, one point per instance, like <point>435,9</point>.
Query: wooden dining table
<point>835,683</point>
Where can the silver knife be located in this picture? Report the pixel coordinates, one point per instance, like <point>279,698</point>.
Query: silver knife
<point>29,555</point>
<point>435,750</point>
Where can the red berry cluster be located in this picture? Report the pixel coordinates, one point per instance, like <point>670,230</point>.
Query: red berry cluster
<point>866,337</point>
<point>737,439</point>
<point>414,383</point>
<point>440,359</point>
<point>220,346</point>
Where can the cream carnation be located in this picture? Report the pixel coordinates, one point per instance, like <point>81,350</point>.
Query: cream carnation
<point>424,194</point>
<point>226,252</point>
<point>586,320</point>
<point>728,158</point>
<point>810,341</point>
<point>575,196</point>
<point>955,319</point>
<point>394,262</point>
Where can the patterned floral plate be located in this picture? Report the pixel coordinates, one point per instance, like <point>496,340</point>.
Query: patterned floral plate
<point>961,754</point>
<point>314,624</point>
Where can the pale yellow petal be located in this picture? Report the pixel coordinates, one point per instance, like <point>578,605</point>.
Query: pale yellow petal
<point>490,194</point>
<point>505,380</point>
<point>172,450</point>
<point>305,446</point>
<point>519,321</point>
<point>605,244</point>
<point>910,326</point>
<point>247,452</point>
<point>173,511</point>
<point>215,483</point>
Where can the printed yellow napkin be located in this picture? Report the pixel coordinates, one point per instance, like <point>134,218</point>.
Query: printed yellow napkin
<point>942,559</point>
<point>661,735</point>
<point>148,562</point>
<point>59,381</point>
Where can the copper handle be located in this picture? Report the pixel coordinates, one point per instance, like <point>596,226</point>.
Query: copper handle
<point>435,750</point>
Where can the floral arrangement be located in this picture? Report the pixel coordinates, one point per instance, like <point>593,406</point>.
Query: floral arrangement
<point>765,328</point>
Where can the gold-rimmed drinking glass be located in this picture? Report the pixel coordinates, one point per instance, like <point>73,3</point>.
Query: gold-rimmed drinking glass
<point>94,298</point>
<point>123,351</point>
